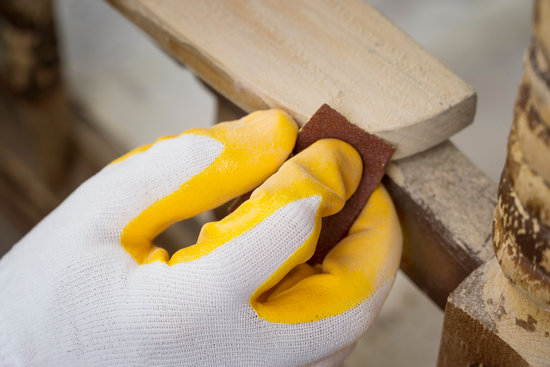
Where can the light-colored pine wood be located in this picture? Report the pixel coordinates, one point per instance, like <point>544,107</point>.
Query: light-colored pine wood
<point>297,55</point>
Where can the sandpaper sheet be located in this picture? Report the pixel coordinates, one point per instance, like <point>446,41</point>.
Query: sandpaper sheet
<point>327,123</point>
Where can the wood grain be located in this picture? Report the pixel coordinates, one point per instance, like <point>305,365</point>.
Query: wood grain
<point>297,55</point>
<point>489,321</point>
<point>445,205</point>
<point>534,103</point>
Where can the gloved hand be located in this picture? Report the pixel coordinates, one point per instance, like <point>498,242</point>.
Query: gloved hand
<point>87,287</point>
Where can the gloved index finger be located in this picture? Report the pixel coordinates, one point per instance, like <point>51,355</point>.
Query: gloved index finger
<point>278,227</point>
<point>251,150</point>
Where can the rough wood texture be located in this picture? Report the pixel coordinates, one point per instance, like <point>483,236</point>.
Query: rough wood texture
<point>531,187</point>
<point>534,102</point>
<point>521,235</point>
<point>522,244</point>
<point>537,73</point>
<point>488,321</point>
<point>297,55</point>
<point>445,205</point>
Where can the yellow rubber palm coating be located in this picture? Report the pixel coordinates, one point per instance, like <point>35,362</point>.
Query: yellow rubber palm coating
<point>254,148</point>
<point>356,268</point>
<point>330,169</point>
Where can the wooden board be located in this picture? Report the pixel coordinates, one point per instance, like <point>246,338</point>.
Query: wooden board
<point>445,205</point>
<point>490,322</point>
<point>297,55</point>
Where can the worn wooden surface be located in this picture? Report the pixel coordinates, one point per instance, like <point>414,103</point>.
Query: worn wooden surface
<point>445,205</point>
<point>521,233</point>
<point>489,321</point>
<point>522,218</point>
<point>534,132</point>
<point>297,55</point>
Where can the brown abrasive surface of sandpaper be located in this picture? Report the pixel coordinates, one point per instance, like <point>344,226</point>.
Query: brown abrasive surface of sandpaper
<point>328,123</point>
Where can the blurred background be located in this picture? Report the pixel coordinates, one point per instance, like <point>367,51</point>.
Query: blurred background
<point>118,90</point>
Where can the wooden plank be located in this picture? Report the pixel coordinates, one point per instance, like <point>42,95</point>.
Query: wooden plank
<point>490,322</point>
<point>297,55</point>
<point>445,205</point>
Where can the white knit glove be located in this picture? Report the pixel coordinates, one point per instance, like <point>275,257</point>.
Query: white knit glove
<point>86,287</point>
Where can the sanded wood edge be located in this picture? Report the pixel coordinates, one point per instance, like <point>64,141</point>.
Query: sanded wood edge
<point>408,140</point>
<point>438,128</point>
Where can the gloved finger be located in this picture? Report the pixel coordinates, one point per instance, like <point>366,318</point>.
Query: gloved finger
<point>176,178</point>
<point>361,265</point>
<point>278,227</point>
